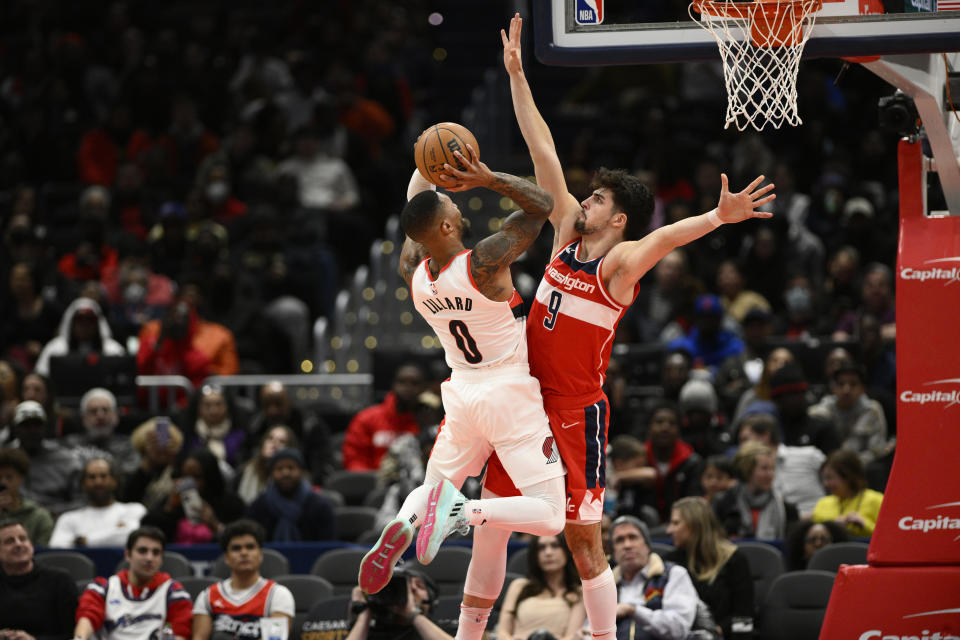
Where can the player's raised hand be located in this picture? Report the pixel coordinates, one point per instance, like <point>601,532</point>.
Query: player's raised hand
<point>737,207</point>
<point>511,45</point>
<point>473,174</point>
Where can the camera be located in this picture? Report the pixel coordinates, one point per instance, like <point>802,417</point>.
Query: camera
<point>387,605</point>
<point>898,114</point>
<point>392,595</point>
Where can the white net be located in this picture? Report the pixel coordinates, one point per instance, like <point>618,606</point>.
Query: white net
<point>760,45</point>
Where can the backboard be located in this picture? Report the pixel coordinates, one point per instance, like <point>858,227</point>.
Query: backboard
<point>598,32</point>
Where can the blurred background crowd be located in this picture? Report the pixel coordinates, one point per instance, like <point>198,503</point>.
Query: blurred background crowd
<point>186,189</point>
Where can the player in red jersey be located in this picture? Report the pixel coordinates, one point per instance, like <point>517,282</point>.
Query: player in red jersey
<point>599,255</point>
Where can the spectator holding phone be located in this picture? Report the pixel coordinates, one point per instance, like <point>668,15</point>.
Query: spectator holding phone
<point>158,442</point>
<point>200,504</point>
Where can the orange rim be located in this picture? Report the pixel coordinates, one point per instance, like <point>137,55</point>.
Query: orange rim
<point>773,23</point>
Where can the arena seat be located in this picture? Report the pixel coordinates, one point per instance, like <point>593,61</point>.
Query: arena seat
<point>795,605</point>
<point>830,557</point>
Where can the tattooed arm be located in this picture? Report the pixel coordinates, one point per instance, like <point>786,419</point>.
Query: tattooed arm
<point>491,258</point>
<point>411,255</point>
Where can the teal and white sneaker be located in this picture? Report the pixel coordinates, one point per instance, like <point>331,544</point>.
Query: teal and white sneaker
<point>445,515</point>
<point>376,568</point>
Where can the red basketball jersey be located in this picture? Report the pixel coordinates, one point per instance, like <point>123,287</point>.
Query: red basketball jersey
<point>570,329</point>
<point>240,619</point>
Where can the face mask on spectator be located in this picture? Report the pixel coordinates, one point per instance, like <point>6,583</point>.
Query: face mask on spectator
<point>797,299</point>
<point>217,191</point>
<point>134,293</point>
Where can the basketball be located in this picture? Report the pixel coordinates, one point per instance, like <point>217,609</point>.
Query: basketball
<point>436,145</point>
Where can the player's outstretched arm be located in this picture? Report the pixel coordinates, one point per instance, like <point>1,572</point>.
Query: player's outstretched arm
<point>628,261</point>
<point>537,134</point>
<point>413,253</point>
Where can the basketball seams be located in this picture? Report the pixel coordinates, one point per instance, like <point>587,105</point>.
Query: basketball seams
<point>452,161</point>
<point>429,159</point>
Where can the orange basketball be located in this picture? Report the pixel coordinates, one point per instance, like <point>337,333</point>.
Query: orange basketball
<point>436,145</point>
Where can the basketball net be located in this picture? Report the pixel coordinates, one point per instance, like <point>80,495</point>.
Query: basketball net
<point>760,45</point>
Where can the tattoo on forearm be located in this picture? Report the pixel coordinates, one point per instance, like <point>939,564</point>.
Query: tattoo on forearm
<point>496,253</point>
<point>528,196</point>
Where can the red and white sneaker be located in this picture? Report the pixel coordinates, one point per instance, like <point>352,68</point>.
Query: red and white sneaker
<point>445,515</point>
<point>376,568</point>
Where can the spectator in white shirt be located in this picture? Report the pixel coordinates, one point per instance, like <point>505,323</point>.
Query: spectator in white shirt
<point>105,522</point>
<point>656,599</point>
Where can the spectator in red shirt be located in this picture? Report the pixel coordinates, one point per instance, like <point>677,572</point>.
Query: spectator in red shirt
<point>373,429</point>
<point>157,599</point>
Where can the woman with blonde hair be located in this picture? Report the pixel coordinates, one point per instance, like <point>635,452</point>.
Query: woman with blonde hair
<point>548,598</point>
<point>718,569</point>
<point>158,441</point>
<point>754,508</point>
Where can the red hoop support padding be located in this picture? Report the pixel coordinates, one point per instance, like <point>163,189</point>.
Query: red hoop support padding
<point>862,59</point>
<point>773,23</point>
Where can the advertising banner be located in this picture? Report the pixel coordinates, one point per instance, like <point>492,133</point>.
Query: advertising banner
<point>920,517</point>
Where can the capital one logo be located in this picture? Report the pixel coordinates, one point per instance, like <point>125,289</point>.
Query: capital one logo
<point>877,634</point>
<point>946,270</point>
<point>945,396</point>
<point>925,524</point>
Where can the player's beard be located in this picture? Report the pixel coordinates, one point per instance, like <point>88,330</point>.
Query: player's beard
<point>580,225</point>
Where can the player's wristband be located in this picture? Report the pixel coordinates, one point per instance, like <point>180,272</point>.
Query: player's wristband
<point>714,219</point>
<point>414,614</point>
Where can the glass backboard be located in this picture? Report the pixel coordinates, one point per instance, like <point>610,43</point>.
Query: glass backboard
<point>597,32</point>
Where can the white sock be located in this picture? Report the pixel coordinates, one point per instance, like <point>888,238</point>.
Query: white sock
<point>472,623</point>
<point>538,511</point>
<point>488,564</point>
<point>600,601</point>
<point>414,506</point>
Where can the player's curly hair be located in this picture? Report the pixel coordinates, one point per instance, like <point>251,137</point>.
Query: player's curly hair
<point>630,196</point>
<point>419,213</point>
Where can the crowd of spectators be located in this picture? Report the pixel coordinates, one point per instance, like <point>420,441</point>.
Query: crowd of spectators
<point>197,180</point>
<point>189,186</point>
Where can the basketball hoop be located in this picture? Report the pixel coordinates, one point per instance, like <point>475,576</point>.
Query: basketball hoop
<point>760,42</point>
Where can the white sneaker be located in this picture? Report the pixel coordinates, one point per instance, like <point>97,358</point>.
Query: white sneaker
<point>445,515</point>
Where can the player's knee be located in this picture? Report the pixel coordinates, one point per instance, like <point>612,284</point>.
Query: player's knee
<point>557,521</point>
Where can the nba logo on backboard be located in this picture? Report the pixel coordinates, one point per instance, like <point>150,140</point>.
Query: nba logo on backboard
<point>589,12</point>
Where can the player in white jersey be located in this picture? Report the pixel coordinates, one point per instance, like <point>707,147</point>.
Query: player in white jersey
<point>491,401</point>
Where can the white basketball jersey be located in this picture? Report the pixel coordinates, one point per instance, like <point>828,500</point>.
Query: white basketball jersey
<point>126,618</point>
<point>475,332</point>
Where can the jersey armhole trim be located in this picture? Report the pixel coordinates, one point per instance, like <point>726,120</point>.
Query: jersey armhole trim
<point>603,287</point>
<point>564,248</point>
